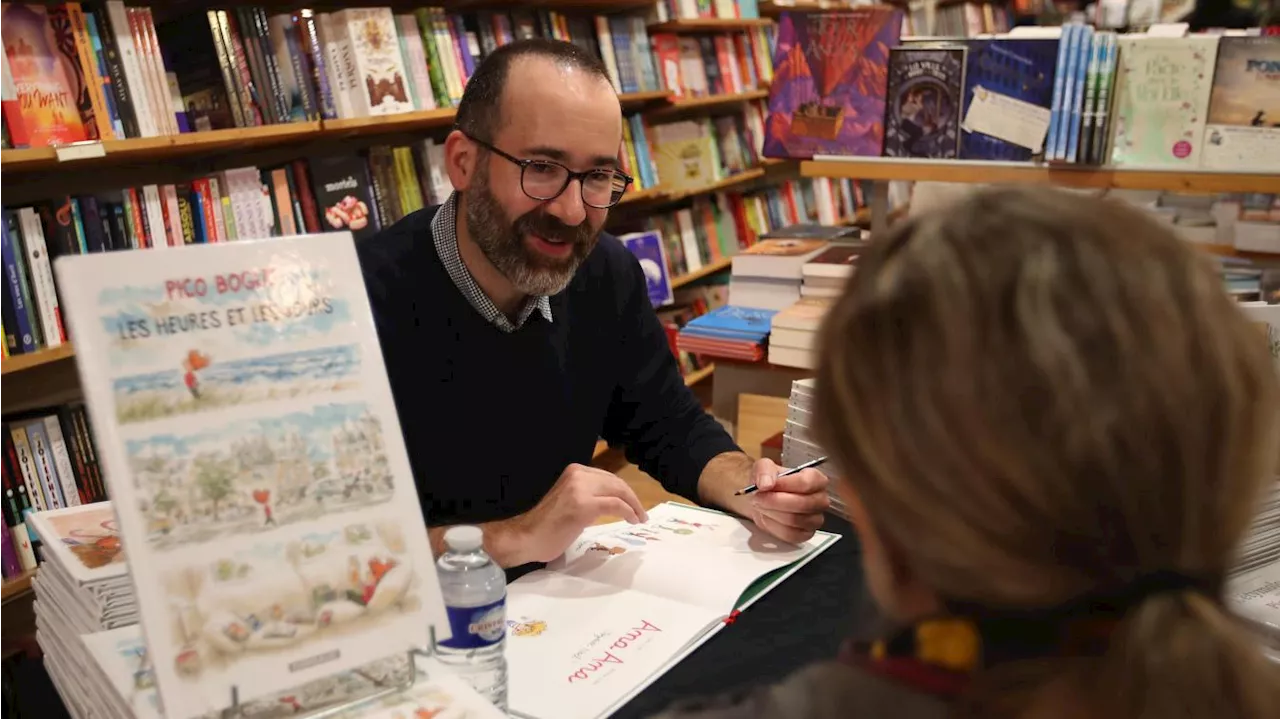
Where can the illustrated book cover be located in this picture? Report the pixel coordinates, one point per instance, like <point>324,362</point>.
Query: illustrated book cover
<point>1008,73</point>
<point>242,414</point>
<point>627,602</point>
<point>47,81</point>
<point>922,111</point>
<point>1243,130</point>
<point>830,76</point>
<point>84,541</point>
<point>649,250</point>
<point>1163,86</point>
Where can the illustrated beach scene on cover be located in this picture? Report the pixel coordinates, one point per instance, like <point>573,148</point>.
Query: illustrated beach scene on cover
<point>243,477</point>
<point>200,381</point>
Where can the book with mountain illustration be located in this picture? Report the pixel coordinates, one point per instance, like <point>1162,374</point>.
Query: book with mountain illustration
<point>627,602</point>
<point>255,461</point>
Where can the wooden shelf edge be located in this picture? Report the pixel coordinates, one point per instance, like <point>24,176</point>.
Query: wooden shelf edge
<point>738,178</point>
<point>971,171</point>
<point>18,585</point>
<point>693,104</point>
<point>19,363</point>
<point>698,375</point>
<point>719,265</point>
<point>710,25</point>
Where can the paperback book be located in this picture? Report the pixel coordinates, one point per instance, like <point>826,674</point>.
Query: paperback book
<point>256,465</point>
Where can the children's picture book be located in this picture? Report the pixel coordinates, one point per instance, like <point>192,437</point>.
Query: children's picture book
<point>828,91</point>
<point>627,602</point>
<point>922,114</point>
<point>84,541</point>
<point>1163,86</point>
<point>244,419</point>
<point>1243,130</point>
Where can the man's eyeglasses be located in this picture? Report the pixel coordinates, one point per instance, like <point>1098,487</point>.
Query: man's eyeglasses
<point>544,180</point>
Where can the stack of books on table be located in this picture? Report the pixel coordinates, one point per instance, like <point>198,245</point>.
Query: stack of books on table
<point>729,332</point>
<point>116,681</point>
<point>798,443</point>
<point>793,334</point>
<point>1253,591</point>
<point>769,273</point>
<point>793,339</point>
<point>82,587</point>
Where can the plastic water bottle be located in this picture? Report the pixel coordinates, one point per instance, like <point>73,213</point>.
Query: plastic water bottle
<point>475,595</point>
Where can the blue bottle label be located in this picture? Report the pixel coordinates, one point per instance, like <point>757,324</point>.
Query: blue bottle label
<point>477,627</point>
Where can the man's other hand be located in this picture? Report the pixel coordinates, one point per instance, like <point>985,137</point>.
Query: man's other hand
<point>790,508</point>
<point>580,497</point>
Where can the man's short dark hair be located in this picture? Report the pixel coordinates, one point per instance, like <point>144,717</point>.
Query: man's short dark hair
<point>479,113</point>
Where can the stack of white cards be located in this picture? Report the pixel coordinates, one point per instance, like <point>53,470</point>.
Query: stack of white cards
<point>1261,545</point>
<point>798,444</point>
<point>1253,591</point>
<point>115,681</point>
<point>82,586</point>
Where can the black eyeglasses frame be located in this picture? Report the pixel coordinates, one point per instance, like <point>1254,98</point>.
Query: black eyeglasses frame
<point>571,175</point>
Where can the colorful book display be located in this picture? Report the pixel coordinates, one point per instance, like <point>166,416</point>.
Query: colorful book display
<point>242,413</point>
<point>828,91</point>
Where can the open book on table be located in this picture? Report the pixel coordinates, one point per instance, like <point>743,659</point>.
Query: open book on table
<point>627,602</point>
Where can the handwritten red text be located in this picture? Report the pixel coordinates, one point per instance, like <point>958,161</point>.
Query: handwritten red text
<point>623,642</point>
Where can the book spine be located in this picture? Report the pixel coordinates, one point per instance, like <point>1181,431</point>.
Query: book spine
<point>30,481</point>
<point>61,461</point>
<point>10,565</point>
<point>25,340</point>
<point>42,277</point>
<point>42,459</point>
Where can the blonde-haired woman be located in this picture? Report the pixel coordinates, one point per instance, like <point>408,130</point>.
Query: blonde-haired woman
<point>1053,427</point>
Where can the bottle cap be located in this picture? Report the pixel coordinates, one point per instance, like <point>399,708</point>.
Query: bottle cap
<point>464,538</point>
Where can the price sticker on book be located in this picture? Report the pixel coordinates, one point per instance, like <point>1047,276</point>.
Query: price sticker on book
<point>1007,118</point>
<point>80,151</point>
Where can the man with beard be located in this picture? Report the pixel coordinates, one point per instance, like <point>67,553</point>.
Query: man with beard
<point>515,333</point>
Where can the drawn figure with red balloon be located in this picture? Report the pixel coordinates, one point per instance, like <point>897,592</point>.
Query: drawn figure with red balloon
<point>263,497</point>
<point>191,364</point>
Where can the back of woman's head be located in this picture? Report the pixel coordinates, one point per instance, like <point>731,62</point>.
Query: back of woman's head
<point>1037,395</point>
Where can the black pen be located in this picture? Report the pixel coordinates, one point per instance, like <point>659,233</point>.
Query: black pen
<point>785,473</point>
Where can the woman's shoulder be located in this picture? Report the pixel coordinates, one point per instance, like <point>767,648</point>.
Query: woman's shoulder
<point>828,690</point>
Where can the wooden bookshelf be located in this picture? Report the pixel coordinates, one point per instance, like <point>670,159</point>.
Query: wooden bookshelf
<point>18,363</point>
<point>387,124</point>
<point>637,196</point>
<point>156,149</point>
<point>739,178</point>
<point>142,150</point>
<point>632,101</point>
<point>689,105</point>
<point>17,585</point>
<point>710,25</point>
<point>1199,181</point>
<point>719,265</point>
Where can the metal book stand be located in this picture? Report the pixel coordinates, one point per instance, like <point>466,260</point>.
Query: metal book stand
<point>236,709</point>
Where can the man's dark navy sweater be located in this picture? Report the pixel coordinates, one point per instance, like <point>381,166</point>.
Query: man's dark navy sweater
<point>491,419</point>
